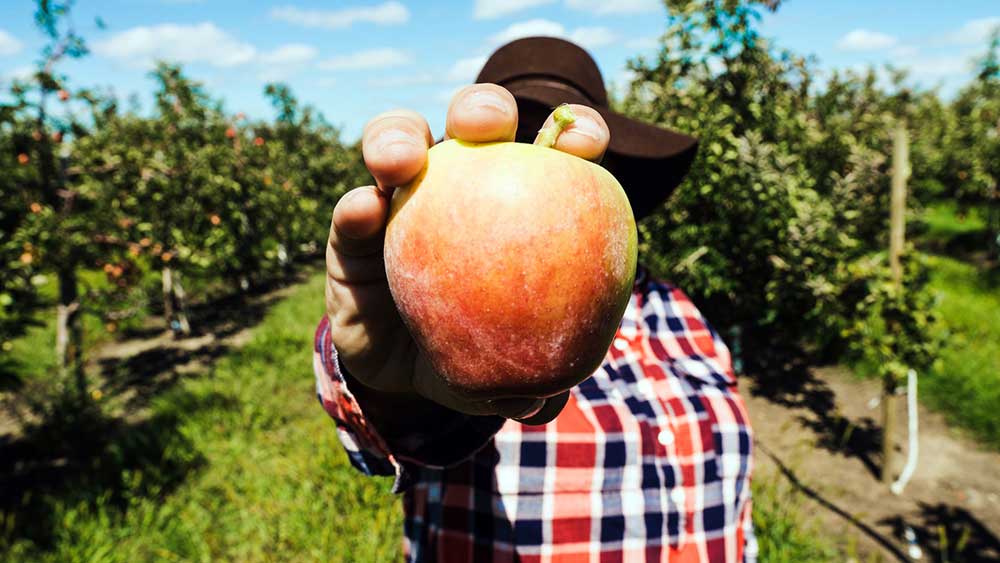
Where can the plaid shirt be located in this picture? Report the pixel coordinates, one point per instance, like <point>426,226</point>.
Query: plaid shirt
<point>649,461</point>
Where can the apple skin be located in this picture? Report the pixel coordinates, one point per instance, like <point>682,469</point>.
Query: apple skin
<point>511,265</point>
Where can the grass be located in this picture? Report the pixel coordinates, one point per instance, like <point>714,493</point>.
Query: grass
<point>944,221</point>
<point>965,382</point>
<point>784,534</point>
<point>239,463</point>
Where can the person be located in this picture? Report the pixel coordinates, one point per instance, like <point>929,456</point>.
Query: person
<point>649,459</point>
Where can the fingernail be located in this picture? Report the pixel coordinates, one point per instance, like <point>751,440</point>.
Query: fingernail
<point>588,128</point>
<point>352,195</point>
<point>391,138</point>
<point>486,99</point>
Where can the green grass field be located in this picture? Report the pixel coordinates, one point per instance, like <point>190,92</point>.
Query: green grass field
<point>965,383</point>
<point>241,464</point>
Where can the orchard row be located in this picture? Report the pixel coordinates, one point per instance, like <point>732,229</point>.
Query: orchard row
<point>149,202</point>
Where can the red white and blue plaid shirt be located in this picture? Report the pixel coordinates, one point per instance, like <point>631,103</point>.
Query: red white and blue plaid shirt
<point>649,461</point>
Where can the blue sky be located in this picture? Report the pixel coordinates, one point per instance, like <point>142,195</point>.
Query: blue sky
<point>355,58</point>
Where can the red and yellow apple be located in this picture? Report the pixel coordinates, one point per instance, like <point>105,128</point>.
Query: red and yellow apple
<point>511,265</point>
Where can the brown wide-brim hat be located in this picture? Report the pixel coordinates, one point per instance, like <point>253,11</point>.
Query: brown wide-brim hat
<point>543,72</point>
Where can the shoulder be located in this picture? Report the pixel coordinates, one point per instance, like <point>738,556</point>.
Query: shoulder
<point>676,331</point>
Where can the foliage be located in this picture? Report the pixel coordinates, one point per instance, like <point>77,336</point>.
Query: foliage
<point>57,235</point>
<point>187,190</point>
<point>18,297</point>
<point>893,329</point>
<point>976,143</point>
<point>789,191</point>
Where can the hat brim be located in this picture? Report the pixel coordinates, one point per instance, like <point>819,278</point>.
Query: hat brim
<point>649,161</point>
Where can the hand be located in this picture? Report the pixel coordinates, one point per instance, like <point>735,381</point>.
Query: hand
<point>374,345</point>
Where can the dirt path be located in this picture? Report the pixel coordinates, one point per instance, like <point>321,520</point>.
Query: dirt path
<point>820,434</point>
<point>131,370</point>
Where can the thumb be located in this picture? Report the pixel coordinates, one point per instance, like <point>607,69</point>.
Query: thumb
<point>358,221</point>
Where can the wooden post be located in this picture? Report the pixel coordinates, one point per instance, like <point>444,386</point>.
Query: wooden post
<point>897,231</point>
<point>897,212</point>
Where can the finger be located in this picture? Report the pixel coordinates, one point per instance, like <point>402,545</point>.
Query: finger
<point>427,383</point>
<point>587,137</point>
<point>358,220</point>
<point>482,113</point>
<point>394,145</point>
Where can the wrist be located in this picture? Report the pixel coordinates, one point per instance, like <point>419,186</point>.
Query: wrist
<point>398,416</point>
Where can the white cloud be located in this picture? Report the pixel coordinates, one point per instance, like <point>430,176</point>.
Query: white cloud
<point>372,58</point>
<point>285,61</point>
<point>290,54</point>
<point>490,9</point>
<point>974,32</point>
<point>529,28</point>
<point>865,40</point>
<point>200,43</point>
<point>589,37</point>
<point>605,7</point>
<point>593,37</point>
<point>9,45</point>
<point>643,43</point>
<point>466,70</point>
<point>400,81</point>
<point>938,67</point>
<point>388,13</point>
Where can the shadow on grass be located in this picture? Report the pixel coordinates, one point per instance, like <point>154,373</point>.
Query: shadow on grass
<point>10,378</point>
<point>78,454</point>
<point>785,377</point>
<point>145,375</point>
<point>150,372</point>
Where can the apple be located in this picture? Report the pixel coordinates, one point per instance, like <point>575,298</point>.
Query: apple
<point>511,265</point>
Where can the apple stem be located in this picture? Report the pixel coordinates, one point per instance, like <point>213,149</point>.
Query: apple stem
<point>561,119</point>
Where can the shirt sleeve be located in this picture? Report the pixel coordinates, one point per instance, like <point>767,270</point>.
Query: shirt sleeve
<point>750,548</point>
<point>455,436</point>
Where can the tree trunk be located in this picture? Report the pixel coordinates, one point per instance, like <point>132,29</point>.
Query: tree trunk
<point>69,332</point>
<point>181,309</point>
<point>167,277</point>
<point>174,302</point>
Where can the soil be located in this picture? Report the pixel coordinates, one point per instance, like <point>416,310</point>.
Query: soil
<point>819,432</point>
